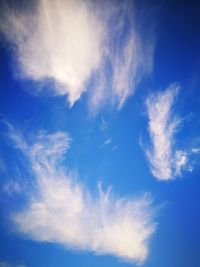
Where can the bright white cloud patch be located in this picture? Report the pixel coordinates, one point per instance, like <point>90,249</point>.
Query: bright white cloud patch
<point>61,209</point>
<point>71,41</point>
<point>166,162</point>
<point>127,60</point>
<point>57,39</point>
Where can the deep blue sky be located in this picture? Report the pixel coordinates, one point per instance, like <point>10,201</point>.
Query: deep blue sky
<point>121,161</point>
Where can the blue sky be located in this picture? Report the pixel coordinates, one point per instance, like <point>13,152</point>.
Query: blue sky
<point>99,133</point>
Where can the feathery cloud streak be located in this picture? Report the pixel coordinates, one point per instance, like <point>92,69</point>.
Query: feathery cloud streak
<point>63,211</point>
<point>166,162</point>
<point>5,264</point>
<point>73,42</point>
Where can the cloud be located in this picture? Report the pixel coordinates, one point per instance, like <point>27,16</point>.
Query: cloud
<point>103,125</point>
<point>59,40</point>
<point>2,165</point>
<point>195,150</point>
<point>106,142</point>
<point>72,43</point>
<point>181,162</point>
<point>62,210</point>
<point>5,264</point>
<point>128,60</point>
<point>12,187</point>
<point>166,162</point>
<point>114,148</point>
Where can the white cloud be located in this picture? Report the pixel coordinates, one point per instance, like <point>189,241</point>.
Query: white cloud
<point>166,162</point>
<point>107,142</point>
<point>58,40</point>
<point>195,150</point>
<point>129,58</point>
<point>181,162</point>
<point>12,187</point>
<point>71,41</point>
<point>63,211</point>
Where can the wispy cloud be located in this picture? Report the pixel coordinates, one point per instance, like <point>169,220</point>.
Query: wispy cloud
<point>103,125</point>
<point>107,142</point>
<point>114,148</point>
<point>129,58</point>
<point>195,150</point>
<point>166,162</point>
<point>73,42</point>
<point>12,187</point>
<point>5,264</point>
<point>63,211</point>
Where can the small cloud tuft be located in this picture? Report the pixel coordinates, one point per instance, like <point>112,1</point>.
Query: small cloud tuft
<point>165,161</point>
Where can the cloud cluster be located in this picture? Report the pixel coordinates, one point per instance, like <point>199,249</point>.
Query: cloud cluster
<point>166,162</point>
<point>63,211</point>
<point>74,43</point>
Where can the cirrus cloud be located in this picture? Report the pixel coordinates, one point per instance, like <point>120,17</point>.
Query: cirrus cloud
<point>166,161</point>
<point>72,43</point>
<point>61,210</point>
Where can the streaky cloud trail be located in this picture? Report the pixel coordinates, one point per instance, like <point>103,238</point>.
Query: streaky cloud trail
<point>61,210</point>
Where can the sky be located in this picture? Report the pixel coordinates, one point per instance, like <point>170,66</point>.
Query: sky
<point>99,133</point>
